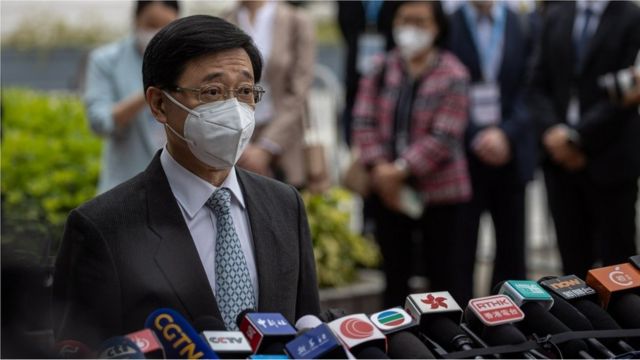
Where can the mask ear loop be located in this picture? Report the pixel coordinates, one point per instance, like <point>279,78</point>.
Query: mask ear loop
<point>188,141</point>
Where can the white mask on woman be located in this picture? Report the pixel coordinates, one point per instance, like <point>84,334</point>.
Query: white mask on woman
<point>412,40</point>
<point>218,132</point>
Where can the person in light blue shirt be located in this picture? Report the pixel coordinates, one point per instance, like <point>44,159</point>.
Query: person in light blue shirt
<point>114,97</point>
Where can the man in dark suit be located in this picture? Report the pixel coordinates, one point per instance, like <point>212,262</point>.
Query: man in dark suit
<point>592,161</point>
<point>357,21</point>
<point>192,232</point>
<point>489,39</point>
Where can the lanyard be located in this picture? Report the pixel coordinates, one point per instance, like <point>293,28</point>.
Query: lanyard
<point>371,10</point>
<point>490,55</point>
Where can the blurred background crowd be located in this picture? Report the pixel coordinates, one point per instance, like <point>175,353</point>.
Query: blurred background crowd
<point>451,144</point>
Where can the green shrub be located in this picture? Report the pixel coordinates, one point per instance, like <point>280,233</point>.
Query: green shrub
<point>337,249</point>
<point>50,164</point>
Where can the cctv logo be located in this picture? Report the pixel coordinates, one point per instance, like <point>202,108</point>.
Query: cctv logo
<point>225,340</point>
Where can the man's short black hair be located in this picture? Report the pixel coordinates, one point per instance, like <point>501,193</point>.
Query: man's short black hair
<point>189,38</point>
<point>442,21</point>
<point>141,4</point>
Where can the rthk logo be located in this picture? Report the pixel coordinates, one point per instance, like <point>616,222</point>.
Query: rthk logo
<point>435,302</point>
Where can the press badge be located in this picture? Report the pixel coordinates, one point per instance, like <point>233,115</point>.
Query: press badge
<point>485,104</point>
<point>370,45</point>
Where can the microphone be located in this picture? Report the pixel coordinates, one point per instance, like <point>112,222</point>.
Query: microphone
<point>575,320</point>
<point>148,343</point>
<point>119,347</point>
<point>626,309</point>
<point>575,291</point>
<point>266,332</point>
<point>438,316</point>
<point>178,337</point>
<point>227,344</point>
<point>617,287</point>
<point>396,324</point>
<point>535,303</point>
<point>493,318</point>
<point>72,349</point>
<point>360,336</point>
<point>329,315</point>
<point>611,281</point>
<point>315,340</point>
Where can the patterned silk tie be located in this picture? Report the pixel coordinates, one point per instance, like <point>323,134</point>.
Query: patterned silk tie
<point>234,291</point>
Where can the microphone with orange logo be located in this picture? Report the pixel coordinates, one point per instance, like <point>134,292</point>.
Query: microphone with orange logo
<point>618,288</point>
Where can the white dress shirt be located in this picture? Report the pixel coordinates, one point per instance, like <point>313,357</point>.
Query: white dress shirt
<point>192,193</point>
<point>597,8</point>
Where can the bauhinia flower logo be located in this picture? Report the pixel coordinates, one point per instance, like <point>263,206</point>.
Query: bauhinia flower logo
<point>435,302</point>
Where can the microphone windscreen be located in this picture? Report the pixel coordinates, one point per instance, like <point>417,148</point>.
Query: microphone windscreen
<point>273,348</point>
<point>472,320</point>
<point>505,334</point>
<point>497,287</point>
<point>442,330</point>
<point>308,322</point>
<point>626,310</point>
<point>369,352</point>
<point>72,349</point>
<point>569,315</point>
<point>599,318</point>
<point>241,316</point>
<point>405,345</point>
<point>178,337</point>
<point>329,315</point>
<point>119,347</point>
<point>208,323</point>
<point>539,321</point>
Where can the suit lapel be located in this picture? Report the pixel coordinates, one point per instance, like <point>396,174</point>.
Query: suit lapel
<point>607,21</point>
<point>474,57</point>
<point>510,35</point>
<point>176,255</point>
<point>264,241</point>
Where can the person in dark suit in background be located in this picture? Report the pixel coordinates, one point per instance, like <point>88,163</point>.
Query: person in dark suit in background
<point>489,40</point>
<point>362,23</point>
<point>192,232</point>
<point>592,161</point>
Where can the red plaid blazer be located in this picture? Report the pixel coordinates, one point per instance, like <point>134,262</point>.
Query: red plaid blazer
<point>435,153</point>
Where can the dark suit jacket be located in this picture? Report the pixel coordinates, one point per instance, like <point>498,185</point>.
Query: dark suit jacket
<point>516,119</point>
<point>352,22</point>
<point>610,134</point>
<point>129,252</point>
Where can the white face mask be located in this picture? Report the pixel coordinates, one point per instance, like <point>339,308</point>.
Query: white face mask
<point>217,133</point>
<point>143,37</point>
<point>412,40</point>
